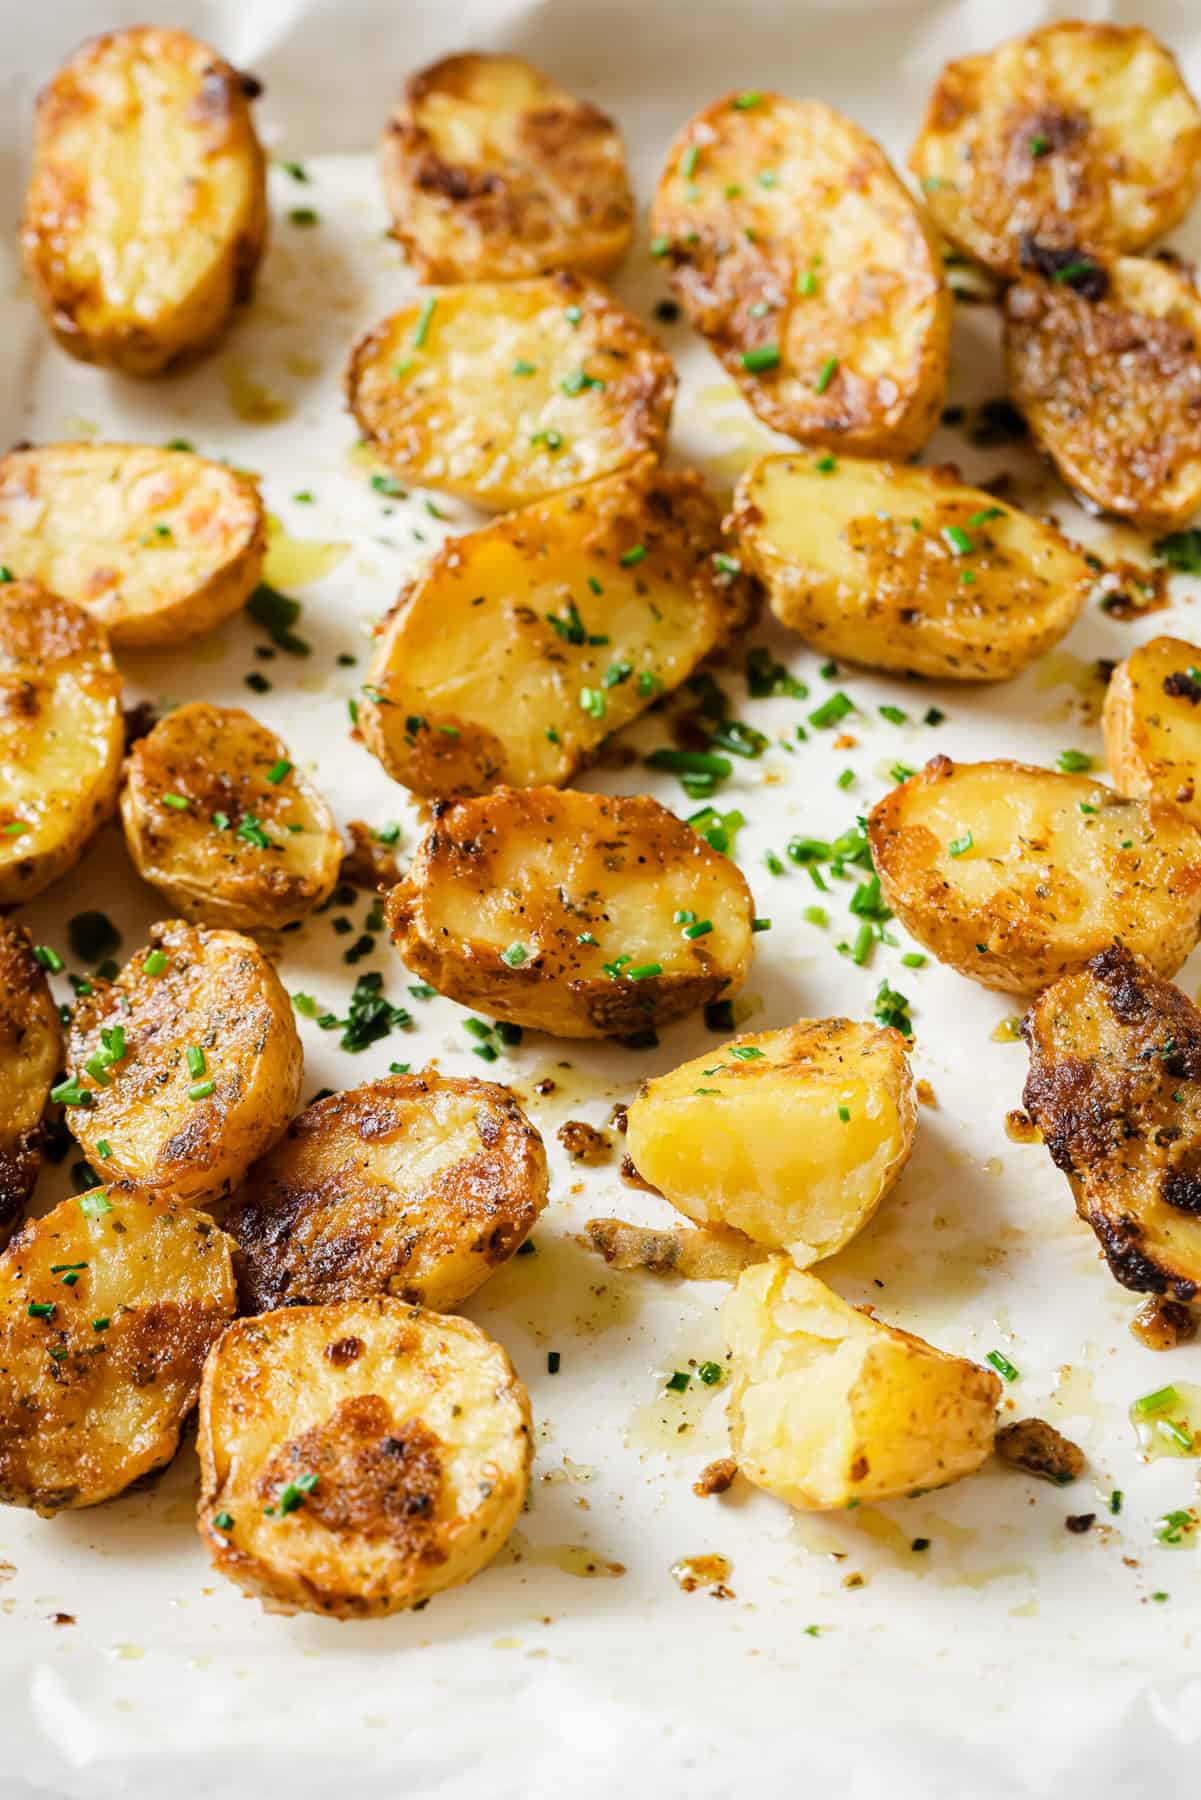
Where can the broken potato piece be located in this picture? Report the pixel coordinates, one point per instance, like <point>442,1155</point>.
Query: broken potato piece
<point>505,392</point>
<point>561,911</point>
<point>187,1067</point>
<point>1016,875</point>
<point>30,1058</point>
<point>1152,727</point>
<point>146,213</point>
<point>829,1406</point>
<point>360,1457</point>
<point>221,821</point>
<point>108,1307</point>
<point>792,1137</point>
<point>797,252</point>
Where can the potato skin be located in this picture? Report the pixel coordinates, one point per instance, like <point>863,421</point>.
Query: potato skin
<point>158,545</point>
<point>492,172</point>
<point>30,1058</point>
<point>831,265</point>
<point>1151,724</point>
<point>536,868</point>
<point>416,1429</point>
<point>87,1408</point>
<point>218,759</point>
<point>146,214</point>
<point>416,1186</point>
<point>61,736</point>
<point>1043,885</point>
<point>219,994</point>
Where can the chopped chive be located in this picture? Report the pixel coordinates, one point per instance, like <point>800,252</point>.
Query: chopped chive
<point>825,375</point>
<point>1074,762</point>
<point>844,1113</point>
<point>1002,1365</point>
<point>223,1521</point>
<point>701,928</point>
<point>94,1206</point>
<point>826,465</point>
<point>423,322</point>
<point>103,1149</point>
<point>554,1362</point>
<point>200,1090</point>
<point>832,710</point>
<point>195,1059</point>
<point>279,771</point>
<point>180,802</point>
<point>1159,1401</point>
<point>644,972</point>
<point>521,367</point>
<point>49,959</point>
<point>679,1381</point>
<point>764,356</point>
<point>40,1309</point>
<point>893,714</point>
<point>592,701</point>
<point>515,955</point>
<point>69,1093</point>
<point>689,161</point>
<point>986,514</point>
<point>806,283</point>
<point>957,539</point>
<point>961,845</point>
<point>746,102</point>
<point>629,558</point>
<point>155,963</point>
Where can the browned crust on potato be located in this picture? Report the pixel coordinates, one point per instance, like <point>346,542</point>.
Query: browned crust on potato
<point>30,1053</point>
<point>1037,1447</point>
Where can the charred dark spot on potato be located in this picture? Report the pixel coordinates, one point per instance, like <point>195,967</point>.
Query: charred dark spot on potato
<point>1180,685</point>
<point>1182,1189</point>
<point>1121,1240</point>
<point>344,1351</point>
<point>1065,265</point>
<point>860,1469</point>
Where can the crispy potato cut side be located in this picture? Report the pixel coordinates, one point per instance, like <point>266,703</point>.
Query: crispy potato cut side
<point>558,911</point>
<point>1115,1089</point>
<point>504,392</point>
<point>1015,875</point>
<point>526,644</point>
<point>187,1067</point>
<point>1077,139</point>
<point>1152,726</point>
<point>906,569</point>
<point>417,1186</point>
<point>220,820</point>
<point>158,545</point>
<point>30,1057</point>
<point>61,736</point>
<point>800,256</point>
<point>358,1458</point>
<point>829,1405</point>
<point>492,172</point>
<point>792,1137</point>
<point>146,213</point>
<point>108,1307</point>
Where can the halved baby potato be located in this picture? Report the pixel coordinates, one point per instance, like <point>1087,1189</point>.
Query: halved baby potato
<point>560,911</point>
<point>793,1137</point>
<point>108,1307</point>
<point>416,1186</point>
<point>1015,875</point>
<point>1151,724</point>
<point>906,568</point>
<point>159,545</point>
<point>830,1406</point>
<point>797,252</point>
<point>187,1067</point>
<point>61,736</point>
<point>30,1058</point>
<point>492,172</point>
<point>1077,139</point>
<point>527,643</point>
<point>219,819</point>
<point>360,1457</point>
<point>504,392</point>
<point>146,214</point>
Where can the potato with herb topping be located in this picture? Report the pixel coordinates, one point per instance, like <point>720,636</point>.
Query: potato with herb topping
<point>1152,726</point>
<point>30,1057</point>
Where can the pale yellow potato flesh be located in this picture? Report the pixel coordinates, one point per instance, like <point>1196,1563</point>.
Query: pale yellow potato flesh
<point>1151,724</point>
<point>31,1048</point>
<point>829,1406</point>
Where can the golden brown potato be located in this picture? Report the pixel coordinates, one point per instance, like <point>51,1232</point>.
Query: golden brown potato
<point>828,1405</point>
<point>558,911</point>
<point>792,1137</point>
<point>108,1307</point>
<point>799,255</point>
<point>1015,875</point>
<point>1109,381</point>
<point>526,644</point>
<point>491,172</point>
<point>1078,139</point>
<point>61,736</point>
<point>223,824</point>
<point>159,545</point>
<point>186,1067</point>
<point>360,1457</point>
<point>30,1057</point>
<point>906,569</point>
<point>1152,727</point>
<point>416,1186</point>
<point>505,392</point>
<point>146,213</point>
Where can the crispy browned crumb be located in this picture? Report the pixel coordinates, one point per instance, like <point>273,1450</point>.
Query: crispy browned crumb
<point>926,1095</point>
<point>368,863</point>
<point>1164,1324</point>
<point>1080,1522</point>
<point>545,1086</point>
<point>583,1142</point>
<point>1037,1447</point>
<point>619,1118</point>
<point>697,1255</point>
<point>716,1477</point>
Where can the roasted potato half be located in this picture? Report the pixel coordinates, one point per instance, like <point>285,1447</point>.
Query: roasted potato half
<point>146,214</point>
<point>61,736</point>
<point>504,392</point>
<point>416,1186</point>
<point>906,568</point>
<point>358,1458</point>
<point>187,1067</point>
<point>108,1307</point>
<point>793,1137</point>
<point>1076,139</point>
<point>30,1058</point>
<point>797,252</point>
<point>159,545</point>
<point>220,820</point>
<point>492,172</point>
<point>1109,381</point>
<point>527,643</point>
<point>829,1406</point>
<point>1151,724</point>
<point>1115,1089</point>
<point>1015,876</point>
<point>562,911</point>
